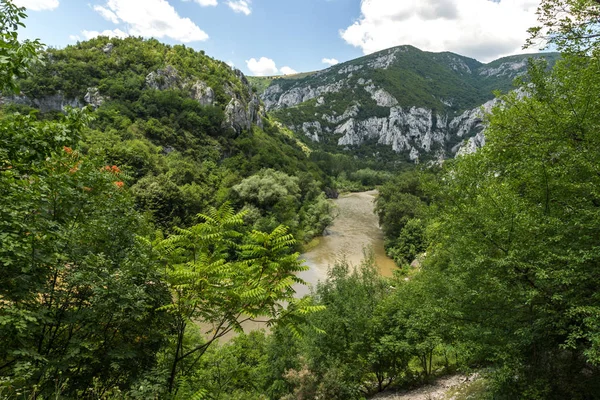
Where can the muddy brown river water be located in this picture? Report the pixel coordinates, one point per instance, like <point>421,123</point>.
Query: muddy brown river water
<point>354,232</point>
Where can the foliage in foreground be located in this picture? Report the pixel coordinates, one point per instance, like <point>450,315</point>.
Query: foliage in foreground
<point>79,290</point>
<point>86,311</point>
<point>517,237</point>
<point>511,231</point>
<point>373,333</point>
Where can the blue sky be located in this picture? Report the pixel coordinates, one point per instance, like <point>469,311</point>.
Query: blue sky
<point>266,37</point>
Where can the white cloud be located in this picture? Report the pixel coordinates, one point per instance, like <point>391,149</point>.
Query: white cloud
<point>240,6</point>
<point>74,38</point>
<point>266,67</point>
<point>37,5</point>
<point>262,67</point>
<point>288,71</point>
<point>330,61</point>
<point>151,18</point>
<point>110,33</point>
<point>107,14</point>
<point>231,64</point>
<point>482,29</point>
<point>206,3</point>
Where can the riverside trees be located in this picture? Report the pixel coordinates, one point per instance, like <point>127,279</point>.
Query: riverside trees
<point>513,258</point>
<point>516,236</point>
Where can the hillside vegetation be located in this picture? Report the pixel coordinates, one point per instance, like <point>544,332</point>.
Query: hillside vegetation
<point>171,200</point>
<point>416,78</point>
<point>161,117</point>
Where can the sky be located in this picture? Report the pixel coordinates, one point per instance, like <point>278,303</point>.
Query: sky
<point>280,37</point>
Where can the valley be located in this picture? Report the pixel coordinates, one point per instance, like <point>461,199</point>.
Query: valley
<point>386,227</point>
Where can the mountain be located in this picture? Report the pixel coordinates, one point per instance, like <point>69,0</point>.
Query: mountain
<point>188,130</point>
<point>422,104</point>
<point>99,71</point>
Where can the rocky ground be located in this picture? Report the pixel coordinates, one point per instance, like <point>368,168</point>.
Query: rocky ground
<point>454,387</point>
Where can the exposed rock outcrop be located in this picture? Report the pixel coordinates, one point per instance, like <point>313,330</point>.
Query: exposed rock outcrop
<point>381,97</point>
<point>275,98</point>
<point>412,130</point>
<point>384,61</point>
<point>511,69</point>
<point>312,130</point>
<point>56,102</point>
<point>240,116</point>
<point>203,93</point>
<point>163,79</point>
<point>236,116</point>
<point>93,97</point>
<point>473,144</point>
<point>416,131</point>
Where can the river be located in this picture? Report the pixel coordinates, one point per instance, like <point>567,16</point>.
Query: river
<point>354,230</point>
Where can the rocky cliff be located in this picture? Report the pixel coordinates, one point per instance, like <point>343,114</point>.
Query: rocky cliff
<point>209,82</point>
<point>426,105</point>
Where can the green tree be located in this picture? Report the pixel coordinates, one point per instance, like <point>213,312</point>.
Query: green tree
<point>516,238</point>
<point>15,57</point>
<point>79,289</point>
<point>403,208</point>
<point>352,354</point>
<point>222,278</point>
<point>569,25</point>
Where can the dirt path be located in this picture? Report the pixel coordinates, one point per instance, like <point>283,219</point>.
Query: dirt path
<point>442,389</point>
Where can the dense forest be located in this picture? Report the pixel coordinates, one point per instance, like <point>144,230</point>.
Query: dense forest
<point>137,231</point>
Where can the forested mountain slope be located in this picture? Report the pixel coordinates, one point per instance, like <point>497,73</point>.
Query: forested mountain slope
<point>421,104</point>
<point>168,202</point>
<point>186,128</point>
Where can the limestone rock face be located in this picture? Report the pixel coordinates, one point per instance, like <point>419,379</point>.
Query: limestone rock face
<point>350,112</point>
<point>56,102</point>
<point>473,144</point>
<point>163,79</point>
<point>415,130</point>
<point>275,98</point>
<point>350,69</point>
<point>203,93</point>
<point>255,111</point>
<point>93,97</point>
<point>108,48</point>
<point>381,97</point>
<point>312,130</point>
<point>412,130</point>
<point>236,116</point>
<point>384,61</point>
<point>511,69</point>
